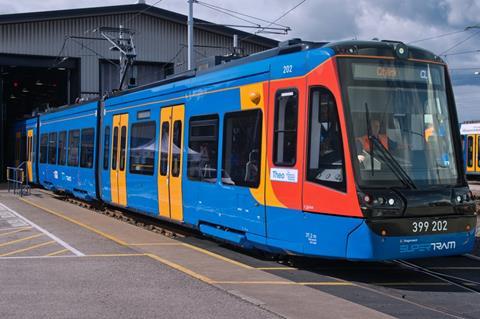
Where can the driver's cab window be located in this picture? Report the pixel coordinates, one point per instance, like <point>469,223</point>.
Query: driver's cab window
<point>325,153</point>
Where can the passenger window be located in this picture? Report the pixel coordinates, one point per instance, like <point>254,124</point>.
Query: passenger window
<point>164,148</point>
<point>176,148</point>
<point>203,148</point>
<point>285,130</point>
<point>470,151</point>
<point>325,152</point>
<point>73,147</point>
<point>43,148</point>
<point>52,148</point>
<point>87,149</point>
<point>62,148</point>
<point>242,137</point>
<point>123,145</point>
<point>142,148</point>
<point>114,148</point>
<point>106,147</point>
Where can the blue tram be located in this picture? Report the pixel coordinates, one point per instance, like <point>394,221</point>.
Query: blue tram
<point>316,149</point>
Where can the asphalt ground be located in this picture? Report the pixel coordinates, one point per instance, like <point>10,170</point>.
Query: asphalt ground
<point>387,287</point>
<point>95,277</point>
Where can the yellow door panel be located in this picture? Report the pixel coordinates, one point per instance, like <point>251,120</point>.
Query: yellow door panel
<point>164,159</point>
<point>118,181</point>
<point>176,160</point>
<point>122,161</point>
<point>477,151</point>
<point>29,155</point>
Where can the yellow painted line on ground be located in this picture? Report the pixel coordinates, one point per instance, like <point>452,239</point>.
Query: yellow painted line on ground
<point>28,248</point>
<point>15,231</point>
<point>228,260</point>
<point>180,268</point>
<point>116,255</point>
<point>20,240</point>
<point>58,252</point>
<point>76,222</point>
<point>289,283</point>
<point>156,244</point>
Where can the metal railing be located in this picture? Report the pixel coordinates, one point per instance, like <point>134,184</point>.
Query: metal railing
<point>17,180</point>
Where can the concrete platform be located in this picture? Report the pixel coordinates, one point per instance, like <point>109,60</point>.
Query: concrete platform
<point>113,269</point>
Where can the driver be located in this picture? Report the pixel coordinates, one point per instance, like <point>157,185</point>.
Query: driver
<point>363,142</point>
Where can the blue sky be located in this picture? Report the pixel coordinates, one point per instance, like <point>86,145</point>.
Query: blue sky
<point>320,20</point>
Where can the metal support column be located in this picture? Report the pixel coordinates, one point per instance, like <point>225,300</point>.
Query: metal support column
<point>191,54</point>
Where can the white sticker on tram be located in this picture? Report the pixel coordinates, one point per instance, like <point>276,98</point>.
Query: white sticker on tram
<point>284,175</point>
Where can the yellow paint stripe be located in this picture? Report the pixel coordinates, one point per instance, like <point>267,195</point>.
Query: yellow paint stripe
<point>20,240</point>
<point>112,238</point>
<point>228,260</point>
<point>289,283</point>
<point>58,252</point>
<point>156,244</point>
<point>181,268</point>
<point>15,231</point>
<point>28,248</point>
<point>115,255</point>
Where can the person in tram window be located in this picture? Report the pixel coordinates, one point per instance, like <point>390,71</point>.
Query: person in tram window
<point>364,143</point>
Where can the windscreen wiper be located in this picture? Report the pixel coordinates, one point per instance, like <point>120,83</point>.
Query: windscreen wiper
<point>396,168</point>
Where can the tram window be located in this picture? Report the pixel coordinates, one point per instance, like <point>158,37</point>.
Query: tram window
<point>203,148</point>
<point>106,147</point>
<point>470,151</point>
<point>142,148</point>
<point>87,149</point>
<point>29,148</point>
<point>285,131</point>
<point>123,145</point>
<point>52,148</point>
<point>478,150</point>
<point>164,148</point>
<point>43,148</point>
<point>176,148</point>
<point>325,152</point>
<point>242,137</point>
<point>73,146</point>
<point>62,148</point>
<point>114,148</point>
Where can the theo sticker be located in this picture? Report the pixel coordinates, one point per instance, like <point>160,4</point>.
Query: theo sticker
<point>284,175</point>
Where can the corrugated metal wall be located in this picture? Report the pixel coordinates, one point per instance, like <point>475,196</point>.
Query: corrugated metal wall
<point>156,40</point>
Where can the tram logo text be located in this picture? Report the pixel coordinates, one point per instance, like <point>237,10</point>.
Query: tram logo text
<point>438,246</point>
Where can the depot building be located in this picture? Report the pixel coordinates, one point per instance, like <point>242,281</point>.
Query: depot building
<point>49,59</point>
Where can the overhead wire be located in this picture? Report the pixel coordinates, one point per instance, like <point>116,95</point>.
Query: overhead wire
<point>460,42</point>
<point>239,13</point>
<point>276,20</point>
<point>437,36</point>
<point>227,13</point>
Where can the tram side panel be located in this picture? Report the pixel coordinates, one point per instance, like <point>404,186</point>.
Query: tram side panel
<point>66,158</point>
<point>129,152</point>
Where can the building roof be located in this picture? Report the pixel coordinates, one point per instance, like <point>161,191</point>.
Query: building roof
<point>133,8</point>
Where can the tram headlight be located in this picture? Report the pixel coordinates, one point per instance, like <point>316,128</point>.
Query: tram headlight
<point>381,204</point>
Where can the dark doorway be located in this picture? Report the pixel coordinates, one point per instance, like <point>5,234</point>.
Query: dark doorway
<point>29,85</point>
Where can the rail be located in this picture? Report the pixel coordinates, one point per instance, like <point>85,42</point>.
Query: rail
<point>17,180</point>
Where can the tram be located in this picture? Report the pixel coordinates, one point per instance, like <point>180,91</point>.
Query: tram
<point>470,132</point>
<point>344,150</point>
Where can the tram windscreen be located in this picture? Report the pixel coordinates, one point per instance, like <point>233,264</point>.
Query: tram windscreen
<point>400,123</point>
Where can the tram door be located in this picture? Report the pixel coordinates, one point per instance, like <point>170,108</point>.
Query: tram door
<point>118,179</point>
<point>29,155</point>
<point>471,152</point>
<point>170,162</point>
